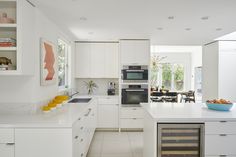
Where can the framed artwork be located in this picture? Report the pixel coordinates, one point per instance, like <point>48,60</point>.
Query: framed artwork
<point>48,63</point>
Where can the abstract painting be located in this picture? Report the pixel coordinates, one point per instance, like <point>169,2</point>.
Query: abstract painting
<point>48,63</point>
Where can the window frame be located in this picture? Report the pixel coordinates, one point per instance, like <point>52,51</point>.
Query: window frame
<point>67,64</point>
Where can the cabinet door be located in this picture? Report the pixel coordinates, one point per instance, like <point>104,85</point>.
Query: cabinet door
<point>111,60</point>
<point>141,51</point>
<point>6,150</point>
<point>97,60</point>
<point>82,60</point>
<point>108,116</point>
<point>127,52</point>
<point>135,52</point>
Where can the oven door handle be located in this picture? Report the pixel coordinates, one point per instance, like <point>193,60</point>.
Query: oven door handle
<point>134,90</point>
<point>135,70</point>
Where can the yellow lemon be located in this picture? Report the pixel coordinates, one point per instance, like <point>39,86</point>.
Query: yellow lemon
<point>46,108</point>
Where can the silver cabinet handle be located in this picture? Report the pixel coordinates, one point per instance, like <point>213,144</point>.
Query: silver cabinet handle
<point>76,137</point>
<point>81,140</point>
<point>82,154</point>
<point>223,134</point>
<point>81,128</point>
<point>222,155</point>
<point>79,118</point>
<point>88,112</point>
<point>223,121</point>
<point>134,118</point>
<point>10,144</point>
<point>134,109</point>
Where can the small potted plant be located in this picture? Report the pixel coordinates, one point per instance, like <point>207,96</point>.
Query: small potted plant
<point>91,86</point>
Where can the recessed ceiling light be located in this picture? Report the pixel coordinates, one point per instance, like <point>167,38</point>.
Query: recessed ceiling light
<point>171,17</point>
<point>83,19</point>
<point>187,29</point>
<point>90,33</point>
<point>159,28</point>
<point>205,17</point>
<point>218,29</point>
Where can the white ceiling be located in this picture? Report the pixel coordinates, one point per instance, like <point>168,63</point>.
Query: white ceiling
<point>119,19</point>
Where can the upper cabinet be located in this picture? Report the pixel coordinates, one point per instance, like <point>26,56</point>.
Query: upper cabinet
<point>135,52</point>
<point>17,37</point>
<point>96,60</point>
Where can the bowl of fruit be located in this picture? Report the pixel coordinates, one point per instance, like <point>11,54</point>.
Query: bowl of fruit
<point>219,104</point>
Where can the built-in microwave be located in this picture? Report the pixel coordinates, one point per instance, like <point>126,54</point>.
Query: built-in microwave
<point>134,94</point>
<point>135,73</point>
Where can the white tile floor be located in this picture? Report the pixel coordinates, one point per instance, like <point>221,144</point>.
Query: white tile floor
<point>115,144</point>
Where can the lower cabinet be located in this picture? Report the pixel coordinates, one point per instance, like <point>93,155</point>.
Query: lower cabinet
<point>57,142</point>
<point>131,118</point>
<point>220,139</point>
<point>7,150</point>
<point>108,112</point>
<point>7,143</point>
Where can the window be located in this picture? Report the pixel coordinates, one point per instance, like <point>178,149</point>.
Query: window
<point>168,75</point>
<point>63,71</point>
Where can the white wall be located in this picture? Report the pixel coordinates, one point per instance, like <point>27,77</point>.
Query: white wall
<point>227,71</point>
<point>210,72</point>
<point>27,89</point>
<point>177,54</point>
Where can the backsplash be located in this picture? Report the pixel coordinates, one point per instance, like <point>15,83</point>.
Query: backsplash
<point>102,86</point>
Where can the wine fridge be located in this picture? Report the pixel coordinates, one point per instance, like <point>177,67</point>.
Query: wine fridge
<point>180,140</point>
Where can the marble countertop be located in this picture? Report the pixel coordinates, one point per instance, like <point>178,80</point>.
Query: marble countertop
<point>186,112</point>
<point>17,116</point>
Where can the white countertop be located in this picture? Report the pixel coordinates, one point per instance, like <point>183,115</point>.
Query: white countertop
<point>187,112</point>
<point>18,117</point>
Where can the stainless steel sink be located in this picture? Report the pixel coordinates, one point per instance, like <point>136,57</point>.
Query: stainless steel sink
<point>79,100</point>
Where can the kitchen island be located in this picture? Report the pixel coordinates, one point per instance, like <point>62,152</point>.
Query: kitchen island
<point>64,132</point>
<point>187,129</point>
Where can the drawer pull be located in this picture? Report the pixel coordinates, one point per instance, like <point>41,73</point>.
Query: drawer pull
<point>81,140</point>
<point>223,121</point>
<point>134,118</point>
<point>89,110</point>
<point>10,144</point>
<point>223,155</point>
<point>134,109</point>
<point>223,135</point>
<point>79,118</point>
<point>76,137</point>
<point>82,154</point>
<point>81,128</point>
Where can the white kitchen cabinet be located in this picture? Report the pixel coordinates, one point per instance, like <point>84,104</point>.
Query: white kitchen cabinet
<point>112,60</point>
<point>7,142</point>
<point>6,150</point>
<point>131,118</point>
<point>23,30</point>
<point>82,60</point>
<point>220,144</point>
<point>135,52</point>
<point>108,110</point>
<point>58,142</point>
<point>96,60</point>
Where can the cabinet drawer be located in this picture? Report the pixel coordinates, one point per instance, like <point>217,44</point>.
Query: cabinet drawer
<point>108,100</point>
<point>134,112</point>
<point>6,135</point>
<point>220,127</point>
<point>220,145</point>
<point>6,150</point>
<point>131,123</point>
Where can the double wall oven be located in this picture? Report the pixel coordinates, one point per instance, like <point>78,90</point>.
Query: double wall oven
<point>134,94</point>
